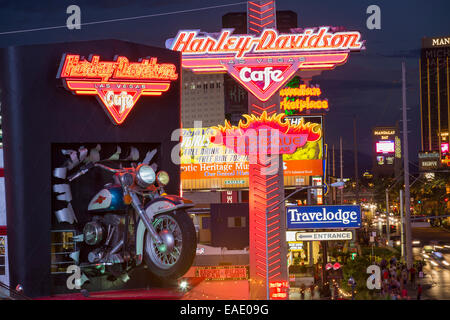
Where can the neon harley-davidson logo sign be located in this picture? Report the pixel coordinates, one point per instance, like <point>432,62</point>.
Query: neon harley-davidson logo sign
<point>264,63</point>
<point>117,84</point>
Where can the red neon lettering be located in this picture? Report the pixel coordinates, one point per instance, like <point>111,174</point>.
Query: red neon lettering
<point>118,84</point>
<point>316,38</point>
<point>181,42</point>
<point>121,69</point>
<point>268,41</point>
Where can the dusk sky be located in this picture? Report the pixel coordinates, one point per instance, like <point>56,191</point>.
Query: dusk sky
<point>368,85</point>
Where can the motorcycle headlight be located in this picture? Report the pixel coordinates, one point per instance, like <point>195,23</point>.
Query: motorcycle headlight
<point>163,178</point>
<point>145,175</point>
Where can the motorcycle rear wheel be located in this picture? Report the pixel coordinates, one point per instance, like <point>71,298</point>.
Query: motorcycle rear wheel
<point>168,265</point>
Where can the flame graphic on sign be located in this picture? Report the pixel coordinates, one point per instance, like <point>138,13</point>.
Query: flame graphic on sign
<point>290,136</point>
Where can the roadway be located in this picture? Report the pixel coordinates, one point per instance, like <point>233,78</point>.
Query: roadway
<point>437,275</point>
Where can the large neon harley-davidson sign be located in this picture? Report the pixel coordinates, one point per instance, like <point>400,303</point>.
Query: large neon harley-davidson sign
<point>269,41</point>
<point>118,84</point>
<point>264,63</point>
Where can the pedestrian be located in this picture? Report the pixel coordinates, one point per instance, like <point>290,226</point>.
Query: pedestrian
<point>404,293</point>
<point>413,275</point>
<point>419,291</point>
<point>404,276</point>
<point>420,269</point>
<point>385,276</point>
<point>311,289</point>
<point>302,291</point>
<point>394,295</point>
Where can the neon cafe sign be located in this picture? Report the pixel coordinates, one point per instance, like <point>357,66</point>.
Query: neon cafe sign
<point>117,84</point>
<point>263,64</point>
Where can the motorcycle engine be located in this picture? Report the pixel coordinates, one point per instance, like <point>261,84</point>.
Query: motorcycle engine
<point>93,233</point>
<point>105,234</point>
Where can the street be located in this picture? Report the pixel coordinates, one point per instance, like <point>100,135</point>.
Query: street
<point>436,281</point>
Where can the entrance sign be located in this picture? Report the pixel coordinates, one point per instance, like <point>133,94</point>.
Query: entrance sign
<point>318,236</point>
<point>117,84</point>
<point>323,217</point>
<point>263,64</point>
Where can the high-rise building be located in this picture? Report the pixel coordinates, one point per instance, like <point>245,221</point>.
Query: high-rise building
<point>435,94</point>
<point>286,20</point>
<point>202,99</point>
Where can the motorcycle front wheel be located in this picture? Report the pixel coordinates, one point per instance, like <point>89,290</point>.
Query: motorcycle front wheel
<point>175,259</point>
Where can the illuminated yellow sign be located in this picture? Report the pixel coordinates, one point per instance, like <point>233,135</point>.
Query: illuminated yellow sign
<point>297,98</point>
<point>384,132</point>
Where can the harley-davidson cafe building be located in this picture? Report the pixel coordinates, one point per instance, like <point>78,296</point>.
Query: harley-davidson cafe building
<point>62,106</point>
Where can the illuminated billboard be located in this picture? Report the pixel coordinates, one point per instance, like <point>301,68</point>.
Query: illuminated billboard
<point>206,165</point>
<point>444,147</point>
<point>385,147</point>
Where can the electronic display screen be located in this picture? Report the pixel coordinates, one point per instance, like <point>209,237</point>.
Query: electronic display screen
<point>385,147</point>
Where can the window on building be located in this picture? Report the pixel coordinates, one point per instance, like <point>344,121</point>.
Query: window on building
<point>61,247</point>
<point>236,222</point>
<point>206,222</point>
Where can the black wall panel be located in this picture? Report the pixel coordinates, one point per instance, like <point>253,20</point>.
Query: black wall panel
<point>37,112</point>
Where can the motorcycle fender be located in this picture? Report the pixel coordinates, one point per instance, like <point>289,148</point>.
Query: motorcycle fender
<point>160,205</point>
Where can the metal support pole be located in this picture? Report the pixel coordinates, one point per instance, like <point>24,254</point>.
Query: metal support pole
<point>310,244</point>
<point>409,256</point>
<point>355,146</point>
<point>388,231</point>
<point>342,172</point>
<point>402,239</point>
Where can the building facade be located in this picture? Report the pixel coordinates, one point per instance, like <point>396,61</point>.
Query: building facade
<point>435,95</point>
<point>202,99</point>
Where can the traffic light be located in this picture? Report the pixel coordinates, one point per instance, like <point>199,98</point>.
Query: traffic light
<point>354,254</point>
<point>446,199</point>
<point>419,202</point>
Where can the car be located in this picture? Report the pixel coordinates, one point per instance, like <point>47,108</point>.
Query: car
<point>416,243</point>
<point>439,258</point>
<point>427,249</point>
<point>396,240</point>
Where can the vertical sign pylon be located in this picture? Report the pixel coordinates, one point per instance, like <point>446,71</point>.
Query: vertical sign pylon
<point>267,223</point>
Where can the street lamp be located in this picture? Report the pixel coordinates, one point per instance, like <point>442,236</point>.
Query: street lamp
<point>352,283</point>
<point>337,184</point>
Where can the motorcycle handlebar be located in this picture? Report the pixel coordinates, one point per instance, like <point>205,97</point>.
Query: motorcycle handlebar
<point>89,166</point>
<point>107,168</point>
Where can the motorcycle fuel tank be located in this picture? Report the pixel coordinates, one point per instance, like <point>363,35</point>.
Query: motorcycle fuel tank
<point>108,199</point>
